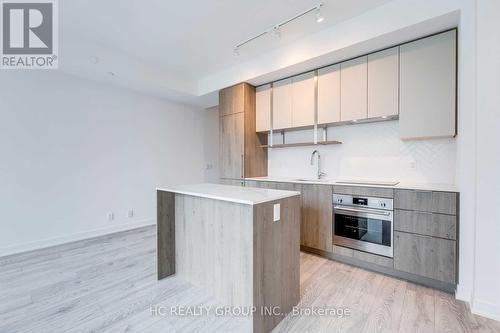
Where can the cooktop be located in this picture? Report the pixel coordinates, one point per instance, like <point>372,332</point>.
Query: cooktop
<point>368,182</point>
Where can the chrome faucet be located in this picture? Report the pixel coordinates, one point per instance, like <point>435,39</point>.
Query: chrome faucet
<point>319,174</point>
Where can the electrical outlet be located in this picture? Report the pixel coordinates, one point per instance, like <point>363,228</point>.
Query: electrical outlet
<point>130,213</point>
<point>276,212</point>
<point>111,216</point>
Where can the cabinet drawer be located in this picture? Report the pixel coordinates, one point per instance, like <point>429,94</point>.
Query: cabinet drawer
<point>364,256</point>
<point>233,182</point>
<point>287,187</point>
<point>361,190</point>
<point>426,201</point>
<point>252,183</point>
<point>423,223</point>
<point>433,258</point>
<point>269,185</point>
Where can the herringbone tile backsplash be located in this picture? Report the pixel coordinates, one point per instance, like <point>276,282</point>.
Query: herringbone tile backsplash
<point>368,152</point>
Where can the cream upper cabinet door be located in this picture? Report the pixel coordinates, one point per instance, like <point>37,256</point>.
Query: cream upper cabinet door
<point>428,87</point>
<point>353,89</point>
<point>303,100</point>
<point>383,83</point>
<point>329,94</point>
<point>282,104</point>
<point>263,108</point>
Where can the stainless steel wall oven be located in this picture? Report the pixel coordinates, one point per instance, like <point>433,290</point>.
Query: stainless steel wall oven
<point>363,223</point>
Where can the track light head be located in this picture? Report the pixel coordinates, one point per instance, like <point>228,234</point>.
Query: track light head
<point>236,51</point>
<point>319,17</point>
<point>277,32</point>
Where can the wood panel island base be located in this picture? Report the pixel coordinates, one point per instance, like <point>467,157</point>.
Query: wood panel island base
<point>241,244</point>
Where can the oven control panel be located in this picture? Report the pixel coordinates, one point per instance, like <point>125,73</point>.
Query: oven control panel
<point>363,201</point>
<point>360,201</point>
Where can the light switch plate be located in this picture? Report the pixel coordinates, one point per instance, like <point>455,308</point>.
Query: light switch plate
<point>276,212</point>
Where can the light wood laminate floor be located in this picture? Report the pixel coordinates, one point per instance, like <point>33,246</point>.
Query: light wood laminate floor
<point>108,284</point>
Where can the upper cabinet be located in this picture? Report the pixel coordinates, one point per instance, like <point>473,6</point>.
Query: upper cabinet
<point>428,87</point>
<point>263,108</point>
<point>293,102</point>
<point>282,104</point>
<point>383,83</point>
<point>329,94</point>
<point>415,81</point>
<point>353,89</point>
<point>231,100</point>
<point>303,100</point>
<point>241,151</point>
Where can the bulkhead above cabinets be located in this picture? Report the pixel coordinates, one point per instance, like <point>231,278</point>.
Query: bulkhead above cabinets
<point>414,82</point>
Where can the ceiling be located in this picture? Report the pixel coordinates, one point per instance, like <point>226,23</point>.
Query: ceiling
<point>166,47</point>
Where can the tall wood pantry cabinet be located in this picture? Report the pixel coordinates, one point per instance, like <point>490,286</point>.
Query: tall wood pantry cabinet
<point>240,154</point>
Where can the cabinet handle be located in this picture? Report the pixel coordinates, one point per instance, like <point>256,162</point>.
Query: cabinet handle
<point>424,236</point>
<point>242,166</point>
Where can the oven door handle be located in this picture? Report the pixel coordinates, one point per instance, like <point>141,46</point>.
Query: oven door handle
<point>358,210</point>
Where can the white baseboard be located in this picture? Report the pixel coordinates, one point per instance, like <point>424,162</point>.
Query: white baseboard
<point>30,246</point>
<point>486,309</point>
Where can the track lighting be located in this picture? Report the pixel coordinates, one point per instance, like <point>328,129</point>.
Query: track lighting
<point>276,29</point>
<point>236,51</point>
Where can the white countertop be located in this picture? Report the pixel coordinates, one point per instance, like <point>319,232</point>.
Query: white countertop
<point>238,194</point>
<point>401,185</point>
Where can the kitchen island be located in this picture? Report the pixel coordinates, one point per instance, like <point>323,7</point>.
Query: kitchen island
<point>241,244</point>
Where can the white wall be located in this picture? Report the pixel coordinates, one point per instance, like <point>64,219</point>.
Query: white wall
<point>72,150</point>
<point>486,299</point>
<point>368,152</point>
<point>466,145</point>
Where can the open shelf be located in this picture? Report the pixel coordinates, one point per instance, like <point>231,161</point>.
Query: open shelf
<point>302,144</point>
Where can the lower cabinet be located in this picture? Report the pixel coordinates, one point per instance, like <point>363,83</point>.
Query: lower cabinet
<point>234,182</point>
<point>252,183</point>
<point>316,226</point>
<point>286,186</point>
<point>425,242</point>
<point>427,256</point>
<point>316,222</point>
